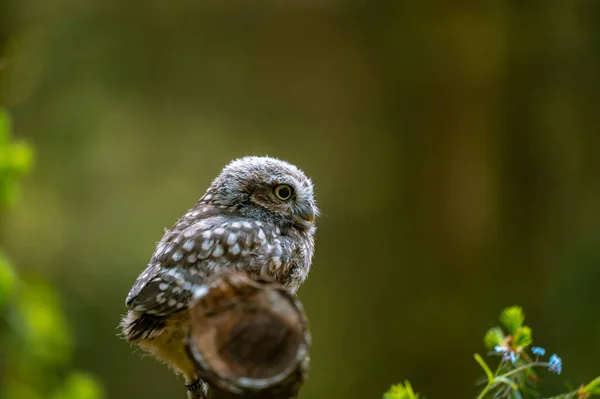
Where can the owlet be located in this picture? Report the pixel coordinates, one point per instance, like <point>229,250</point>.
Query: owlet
<point>257,216</point>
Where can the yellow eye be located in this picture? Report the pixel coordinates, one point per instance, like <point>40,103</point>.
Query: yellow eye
<point>283,192</point>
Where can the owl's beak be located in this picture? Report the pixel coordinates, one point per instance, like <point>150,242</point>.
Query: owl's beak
<point>310,217</point>
<point>308,213</point>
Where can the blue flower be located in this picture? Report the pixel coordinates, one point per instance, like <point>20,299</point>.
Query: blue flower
<point>536,350</point>
<point>500,349</point>
<point>510,355</point>
<point>555,364</point>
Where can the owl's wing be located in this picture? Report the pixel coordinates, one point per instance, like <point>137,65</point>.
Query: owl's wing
<point>161,291</point>
<point>179,262</point>
<point>190,252</point>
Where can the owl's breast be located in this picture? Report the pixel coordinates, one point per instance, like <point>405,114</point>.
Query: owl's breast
<point>298,259</point>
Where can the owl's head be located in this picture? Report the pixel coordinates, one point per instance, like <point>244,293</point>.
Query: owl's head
<point>266,188</point>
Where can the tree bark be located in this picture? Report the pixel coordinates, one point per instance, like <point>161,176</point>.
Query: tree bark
<point>249,338</point>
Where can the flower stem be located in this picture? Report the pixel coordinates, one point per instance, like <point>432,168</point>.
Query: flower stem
<point>525,367</point>
<point>485,390</point>
<point>490,384</point>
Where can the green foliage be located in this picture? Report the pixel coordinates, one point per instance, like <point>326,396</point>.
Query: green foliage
<point>7,280</point>
<point>512,318</point>
<point>79,385</point>
<point>401,391</point>
<point>593,387</point>
<point>494,336</point>
<point>514,377</point>
<point>484,366</point>
<point>40,323</point>
<point>35,340</point>
<point>16,159</point>
<point>522,338</point>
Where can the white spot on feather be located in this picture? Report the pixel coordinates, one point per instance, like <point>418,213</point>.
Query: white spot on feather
<point>235,249</point>
<point>218,251</point>
<point>232,238</point>
<point>261,234</point>
<point>177,256</point>
<point>207,244</point>
<point>219,231</point>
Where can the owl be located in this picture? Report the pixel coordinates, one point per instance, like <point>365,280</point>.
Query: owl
<point>257,216</point>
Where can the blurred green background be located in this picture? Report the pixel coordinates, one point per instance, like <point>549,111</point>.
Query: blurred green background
<point>454,146</point>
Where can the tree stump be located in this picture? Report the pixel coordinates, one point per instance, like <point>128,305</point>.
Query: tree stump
<point>249,338</point>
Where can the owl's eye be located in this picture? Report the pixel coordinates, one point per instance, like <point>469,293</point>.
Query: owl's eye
<point>283,192</point>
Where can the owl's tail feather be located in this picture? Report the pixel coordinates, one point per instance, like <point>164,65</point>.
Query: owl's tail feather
<point>137,326</point>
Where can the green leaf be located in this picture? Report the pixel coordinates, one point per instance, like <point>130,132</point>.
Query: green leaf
<point>512,318</point>
<point>7,280</point>
<point>516,394</point>
<point>508,382</point>
<point>593,387</point>
<point>20,158</point>
<point>42,325</point>
<point>16,159</point>
<point>494,336</point>
<point>484,366</point>
<point>523,337</point>
<point>79,385</point>
<point>401,391</point>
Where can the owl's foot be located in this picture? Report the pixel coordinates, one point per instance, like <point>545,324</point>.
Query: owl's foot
<point>197,390</point>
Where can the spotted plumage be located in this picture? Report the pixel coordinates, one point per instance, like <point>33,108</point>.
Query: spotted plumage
<point>257,216</point>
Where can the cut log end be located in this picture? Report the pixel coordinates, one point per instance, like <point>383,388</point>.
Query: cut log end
<point>249,337</point>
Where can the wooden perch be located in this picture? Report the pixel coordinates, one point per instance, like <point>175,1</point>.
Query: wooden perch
<point>249,338</point>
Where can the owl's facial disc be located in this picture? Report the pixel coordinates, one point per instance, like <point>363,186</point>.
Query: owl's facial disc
<point>287,198</point>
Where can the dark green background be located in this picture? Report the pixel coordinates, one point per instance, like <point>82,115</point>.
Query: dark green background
<point>454,147</point>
